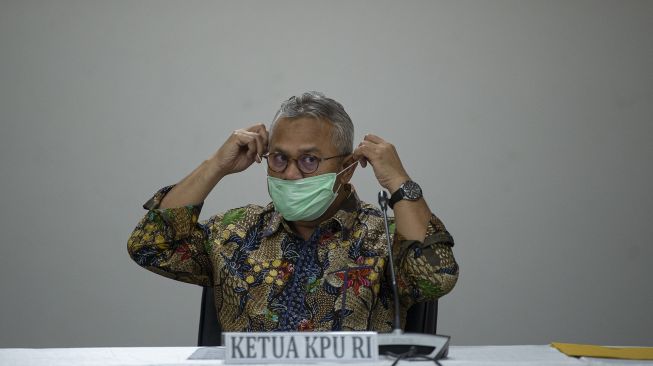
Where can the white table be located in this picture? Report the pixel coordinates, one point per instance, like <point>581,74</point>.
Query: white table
<point>132,356</point>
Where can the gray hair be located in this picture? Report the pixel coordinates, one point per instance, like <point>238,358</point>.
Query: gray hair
<point>317,105</point>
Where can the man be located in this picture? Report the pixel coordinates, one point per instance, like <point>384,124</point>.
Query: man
<point>315,258</point>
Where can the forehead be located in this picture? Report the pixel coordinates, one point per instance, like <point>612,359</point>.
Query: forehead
<point>299,135</point>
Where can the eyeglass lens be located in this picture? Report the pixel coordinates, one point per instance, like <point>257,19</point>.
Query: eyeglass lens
<point>306,163</point>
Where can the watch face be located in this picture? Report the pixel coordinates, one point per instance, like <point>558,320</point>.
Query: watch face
<point>412,190</point>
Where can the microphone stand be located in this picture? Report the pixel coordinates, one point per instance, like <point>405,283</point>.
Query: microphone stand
<point>398,342</point>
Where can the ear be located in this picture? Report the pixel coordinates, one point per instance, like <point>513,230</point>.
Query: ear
<point>345,176</point>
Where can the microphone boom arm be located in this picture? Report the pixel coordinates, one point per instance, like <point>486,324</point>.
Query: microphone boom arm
<point>383,202</point>
<point>397,342</point>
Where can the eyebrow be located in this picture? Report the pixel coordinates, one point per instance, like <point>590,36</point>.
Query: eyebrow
<point>302,150</point>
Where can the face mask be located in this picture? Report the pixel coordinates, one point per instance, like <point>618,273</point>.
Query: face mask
<point>303,199</point>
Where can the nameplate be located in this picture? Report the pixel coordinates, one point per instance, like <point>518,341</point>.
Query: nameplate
<point>300,347</point>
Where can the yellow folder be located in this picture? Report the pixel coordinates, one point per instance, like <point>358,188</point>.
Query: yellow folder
<point>588,350</point>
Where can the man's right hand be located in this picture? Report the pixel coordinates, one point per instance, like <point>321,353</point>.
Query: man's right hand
<point>242,149</point>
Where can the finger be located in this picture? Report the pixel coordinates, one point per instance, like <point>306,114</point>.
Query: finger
<point>359,155</point>
<point>243,137</point>
<point>251,149</point>
<point>256,128</point>
<point>259,147</point>
<point>247,144</point>
<point>373,138</point>
<point>255,145</point>
<point>260,133</point>
<point>265,138</point>
<point>260,129</point>
<point>240,138</point>
<point>369,149</point>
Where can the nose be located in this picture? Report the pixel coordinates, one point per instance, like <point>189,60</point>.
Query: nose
<point>292,171</point>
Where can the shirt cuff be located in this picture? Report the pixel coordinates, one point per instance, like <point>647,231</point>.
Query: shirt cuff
<point>181,220</point>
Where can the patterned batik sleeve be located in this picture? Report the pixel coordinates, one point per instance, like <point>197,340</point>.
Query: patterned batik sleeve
<point>171,242</point>
<point>426,270</point>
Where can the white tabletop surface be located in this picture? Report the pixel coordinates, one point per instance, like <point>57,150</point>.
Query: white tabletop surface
<point>131,356</point>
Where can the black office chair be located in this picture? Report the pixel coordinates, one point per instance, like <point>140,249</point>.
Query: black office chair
<point>421,318</point>
<point>210,333</point>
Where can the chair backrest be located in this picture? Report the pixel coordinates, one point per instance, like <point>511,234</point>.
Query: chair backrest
<point>210,333</point>
<point>421,318</point>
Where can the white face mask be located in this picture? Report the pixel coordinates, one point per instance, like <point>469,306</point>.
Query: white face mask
<point>304,199</point>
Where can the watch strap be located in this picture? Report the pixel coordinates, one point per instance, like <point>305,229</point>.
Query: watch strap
<point>397,196</point>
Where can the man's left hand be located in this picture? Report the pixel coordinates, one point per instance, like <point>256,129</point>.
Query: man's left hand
<point>384,159</point>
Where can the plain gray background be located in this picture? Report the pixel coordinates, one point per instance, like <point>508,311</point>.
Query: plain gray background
<point>528,124</point>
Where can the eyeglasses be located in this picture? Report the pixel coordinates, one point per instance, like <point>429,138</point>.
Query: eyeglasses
<point>307,163</point>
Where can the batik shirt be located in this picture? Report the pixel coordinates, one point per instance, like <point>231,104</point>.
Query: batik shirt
<point>267,278</point>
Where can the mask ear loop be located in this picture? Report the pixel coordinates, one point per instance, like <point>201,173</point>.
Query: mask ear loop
<point>342,171</point>
<point>350,165</point>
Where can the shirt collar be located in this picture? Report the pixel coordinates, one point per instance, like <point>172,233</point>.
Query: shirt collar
<point>345,217</point>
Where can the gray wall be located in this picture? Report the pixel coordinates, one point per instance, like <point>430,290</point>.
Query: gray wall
<point>528,123</point>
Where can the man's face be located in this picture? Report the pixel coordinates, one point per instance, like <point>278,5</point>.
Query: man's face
<point>295,137</point>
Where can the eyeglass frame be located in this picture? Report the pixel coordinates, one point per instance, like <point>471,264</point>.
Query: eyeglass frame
<point>319,161</point>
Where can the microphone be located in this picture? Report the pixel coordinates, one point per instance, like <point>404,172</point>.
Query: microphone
<point>398,343</point>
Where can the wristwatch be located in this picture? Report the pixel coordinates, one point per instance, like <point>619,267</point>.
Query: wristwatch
<point>409,190</point>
